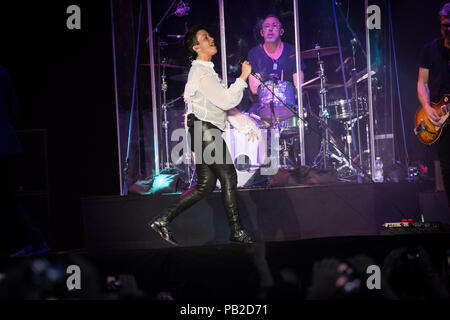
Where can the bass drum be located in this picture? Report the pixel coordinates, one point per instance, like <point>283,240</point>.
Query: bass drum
<point>248,156</point>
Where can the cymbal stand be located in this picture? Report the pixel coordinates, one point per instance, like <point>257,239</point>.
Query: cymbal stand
<point>355,100</point>
<point>348,139</point>
<point>324,152</point>
<point>165,122</point>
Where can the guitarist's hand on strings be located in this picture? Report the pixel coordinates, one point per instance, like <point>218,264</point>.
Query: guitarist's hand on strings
<point>432,115</point>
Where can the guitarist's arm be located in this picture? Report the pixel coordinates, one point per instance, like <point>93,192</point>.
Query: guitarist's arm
<point>423,93</point>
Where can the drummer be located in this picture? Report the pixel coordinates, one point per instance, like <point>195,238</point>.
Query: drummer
<point>271,59</point>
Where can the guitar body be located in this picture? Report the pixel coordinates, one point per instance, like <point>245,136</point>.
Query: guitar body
<point>427,132</point>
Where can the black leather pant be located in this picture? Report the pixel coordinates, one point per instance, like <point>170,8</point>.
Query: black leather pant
<point>208,172</point>
<point>443,150</point>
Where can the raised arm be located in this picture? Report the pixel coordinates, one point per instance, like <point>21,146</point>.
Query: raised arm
<point>254,83</point>
<point>225,98</point>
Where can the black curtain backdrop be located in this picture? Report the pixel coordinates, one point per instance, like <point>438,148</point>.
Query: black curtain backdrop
<point>64,82</point>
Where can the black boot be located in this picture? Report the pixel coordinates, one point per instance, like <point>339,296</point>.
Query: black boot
<point>238,234</point>
<point>161,225</point>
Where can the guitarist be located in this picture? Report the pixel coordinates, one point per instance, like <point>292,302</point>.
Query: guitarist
<point>433,83</point>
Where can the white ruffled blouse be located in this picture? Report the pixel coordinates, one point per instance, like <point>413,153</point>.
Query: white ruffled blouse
<point>209,98</point>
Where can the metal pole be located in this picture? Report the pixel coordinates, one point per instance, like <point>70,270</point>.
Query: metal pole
<point>301,125</point>
<point>116,96</point>
<point>369,90</point>
<point>223,46</point>
<point>223,58</point>
<point>153,86</point>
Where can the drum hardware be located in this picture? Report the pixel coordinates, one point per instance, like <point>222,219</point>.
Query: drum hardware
<point>349,141</point>
<point>183,77</point>
<point>307,83</point>
<point>163,64</point>
<point>273,97</point>
<point>181,10</point>
<point>285,155</point>
<point>165,122</point>
<point>328,148</point>
<point>277,107</point>
<point>165,126</point>
<point>312,53</point>
<point>360,76</point>
<point>343,109</point>
<point>286,107</point>
<point>329,86</point>
<point>318,51</point>
<point>353,42</point>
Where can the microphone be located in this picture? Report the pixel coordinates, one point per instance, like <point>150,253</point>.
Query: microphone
<point>240,62</point>
<point>182,9</point>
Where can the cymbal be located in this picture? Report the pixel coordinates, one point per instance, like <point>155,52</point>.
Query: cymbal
<point>328,86</point>
<point>164,65</point>
<point>183,77</point>
<point>312,53</point>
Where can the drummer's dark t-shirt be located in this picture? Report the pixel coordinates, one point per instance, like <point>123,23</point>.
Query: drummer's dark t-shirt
<point>263,64</point>
<point>436,57</point>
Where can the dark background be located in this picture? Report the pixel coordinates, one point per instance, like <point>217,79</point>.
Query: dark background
<point>65,84</point>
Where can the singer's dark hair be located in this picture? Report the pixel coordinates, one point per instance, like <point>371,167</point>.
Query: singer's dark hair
<point>190,39</point>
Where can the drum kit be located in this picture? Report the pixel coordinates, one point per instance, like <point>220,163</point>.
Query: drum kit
<point>276,110</point>
<point>277,107</point>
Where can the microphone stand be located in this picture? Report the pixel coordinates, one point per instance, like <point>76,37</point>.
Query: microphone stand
<point>347,23</point>
<point>164,17</point>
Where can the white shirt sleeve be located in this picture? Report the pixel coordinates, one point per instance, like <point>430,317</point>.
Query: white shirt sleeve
<point>222,97</point>
<point>242,122</point>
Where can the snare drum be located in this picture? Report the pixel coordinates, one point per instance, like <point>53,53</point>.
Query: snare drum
<point>339,109</point>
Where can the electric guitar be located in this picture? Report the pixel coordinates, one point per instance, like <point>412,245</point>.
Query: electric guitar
<point>427,132</point>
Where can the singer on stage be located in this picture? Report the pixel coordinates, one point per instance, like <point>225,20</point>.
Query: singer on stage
<point>210,105</point>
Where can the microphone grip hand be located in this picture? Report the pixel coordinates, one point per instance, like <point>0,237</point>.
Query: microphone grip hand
<point>246,70</point>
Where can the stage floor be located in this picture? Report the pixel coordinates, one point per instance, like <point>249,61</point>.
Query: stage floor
<point>272,270</point>
<point>278,214</point>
